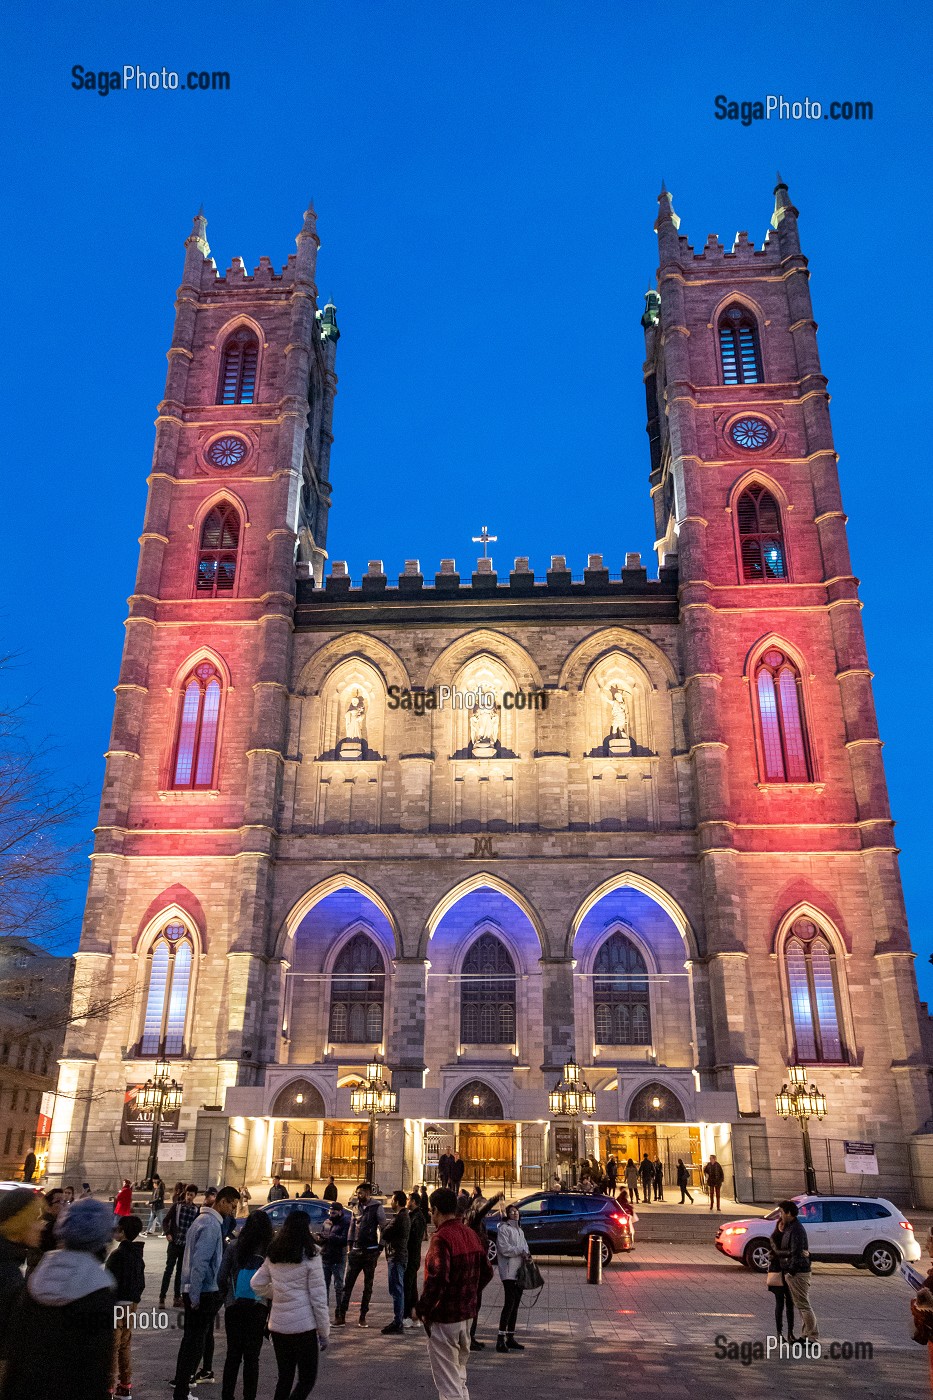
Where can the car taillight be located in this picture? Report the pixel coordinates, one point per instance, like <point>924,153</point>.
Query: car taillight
<point>905,1224</point>
<point>619,1219</point>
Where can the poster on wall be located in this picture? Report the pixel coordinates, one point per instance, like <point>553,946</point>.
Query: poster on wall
<point>564,1142</point>
<point>173,1146</point>
<point>860,1158</point>
<point>136,1123</point>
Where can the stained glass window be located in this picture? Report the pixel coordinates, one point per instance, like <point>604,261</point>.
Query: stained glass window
<point>238,376</point>
<point>814,1002</point>
<point>738,347</point>
<point>487,994</point>
<point>196,746</point>
<point>783,734</point>
<point>622,1008</point>
<point>358,993</point>
<point>167,997</point>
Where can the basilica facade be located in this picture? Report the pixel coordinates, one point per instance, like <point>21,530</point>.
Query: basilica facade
<point>473,826</point>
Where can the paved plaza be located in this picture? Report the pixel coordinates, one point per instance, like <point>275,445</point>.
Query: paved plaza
<point>649,1330</point>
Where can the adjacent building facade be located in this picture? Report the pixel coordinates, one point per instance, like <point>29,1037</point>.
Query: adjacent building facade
<point>659,841</point>
<point>35,994</point>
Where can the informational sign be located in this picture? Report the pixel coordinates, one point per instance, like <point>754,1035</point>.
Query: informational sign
<point>136,1123</point>
<point>286,1164</point>
<point>860,1158</point>
<point>173,1146</point>
<point>564,1142</point>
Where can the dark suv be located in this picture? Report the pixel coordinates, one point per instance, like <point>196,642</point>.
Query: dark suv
<point>315,1209</point>
<point>560,1222</point>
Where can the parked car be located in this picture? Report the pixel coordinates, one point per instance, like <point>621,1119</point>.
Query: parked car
<point>277,1210</point>
<point>866,1231</point>
<point>561,1222</point>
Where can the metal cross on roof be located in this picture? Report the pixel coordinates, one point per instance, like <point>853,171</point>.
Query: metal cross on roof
<point>485,539</point>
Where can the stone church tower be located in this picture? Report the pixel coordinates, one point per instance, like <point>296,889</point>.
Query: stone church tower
<point>663,849</point>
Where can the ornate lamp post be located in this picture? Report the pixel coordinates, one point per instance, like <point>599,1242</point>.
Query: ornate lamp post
<point>159,1095</point>
<point>373,1096</point>
<point>803,1102</point>
<point>569,1099</point>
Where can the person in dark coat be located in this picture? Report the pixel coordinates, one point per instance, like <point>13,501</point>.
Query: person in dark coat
<point>658,1166</point>
<point>395,1240</point>
<point>791,1254</point>
<point>683,1181</point>
<point>245,1313</point>
<point>425,1207</point>
<point>631,1179</point>
<point>128,1271</point>
<point>330,1190</point>
<point>443,1169</point>
<point>646,1172</point>
<point>715,1176</point>
<point>476,1219</point>
<point>333,1243</point>
<point>612,1175</point>
<point>277,1192</point>
<point>20,1231</point>
<point>51,1209</point>
<point>29,1166</point>
<point>64,1322</point>
<point>457,1168</point>
<point>417,1230</point>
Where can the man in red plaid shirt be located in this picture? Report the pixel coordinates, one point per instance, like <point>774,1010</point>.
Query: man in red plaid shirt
<point>455,1271</point>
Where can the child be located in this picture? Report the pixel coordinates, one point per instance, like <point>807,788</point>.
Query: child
<point>126,1266</point>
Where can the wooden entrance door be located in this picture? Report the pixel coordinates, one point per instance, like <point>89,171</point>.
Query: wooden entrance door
<point>488,1149</point>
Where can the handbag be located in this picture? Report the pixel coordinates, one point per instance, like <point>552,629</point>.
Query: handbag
<point>529,1275</point>
<point>775,1278</point>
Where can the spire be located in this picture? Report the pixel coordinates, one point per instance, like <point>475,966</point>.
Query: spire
<point>652,313</point>
<point>198,234</point>
<point>308,244</point>
<point>782,204</point>
<point>309,227</point>
<point>666,209</point>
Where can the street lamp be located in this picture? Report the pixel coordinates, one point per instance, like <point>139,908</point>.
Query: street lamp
<point>803,1102</point>
<point>373,1096</point>
<point>159,1095</point>
<point>570,1098</point>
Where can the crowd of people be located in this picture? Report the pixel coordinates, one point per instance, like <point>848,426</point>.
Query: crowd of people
<point>640,1182</point>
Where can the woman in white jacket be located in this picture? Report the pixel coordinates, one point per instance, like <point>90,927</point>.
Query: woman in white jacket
<point>292,1277</point>
<point>511,1250</point>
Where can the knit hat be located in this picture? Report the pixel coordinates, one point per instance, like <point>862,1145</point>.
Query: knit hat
<point>86,1225</point>
<point>12,1202</point>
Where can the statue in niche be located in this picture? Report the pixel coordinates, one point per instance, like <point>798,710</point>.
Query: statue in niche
<point>351,745</point>
<point>620,740</point>
<point>484,729</point>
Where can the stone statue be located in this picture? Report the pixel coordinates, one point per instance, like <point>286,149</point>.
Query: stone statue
<point>618,712</point>
<point>484,726</point>
<point>354,716</point>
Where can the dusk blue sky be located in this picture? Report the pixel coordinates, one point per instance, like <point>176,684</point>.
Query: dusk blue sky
<point>485,177</point>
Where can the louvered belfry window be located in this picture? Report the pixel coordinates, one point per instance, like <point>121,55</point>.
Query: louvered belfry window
<point>238,376</point>
<point>196,744</point>
<point>761,537</point>
<point>167,995</point>
<point>738,347</point>
<point>814,994</point>
<point>217,556</point>
<point>780,708</point>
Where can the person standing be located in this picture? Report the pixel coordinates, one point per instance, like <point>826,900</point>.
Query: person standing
<point>29,1166</point>
<point>20,1232</point>
<point>443,1169</point>
<point>631,1179</point>
<point>277,1192</point>
<point>455,1272</point>
<point>307,1194</point>
<point>683,1181</point>
<point>363,1239</point>
<point>425,1205</point>
<point>330,1190</point>
<point>715,1176</point>
<point>511,1250</point>
<point>658,1166</point>
<point>457,1168</point>
<point>476,1219</point>
<point>777,1287</point>
<point>612,1175</point>
<point>242,1209</point>
<point>292,1277</point>
<point>791,1252</point>
<point>156,1205</point>
<point>646,1173</point>
<point>200,1290</point>
<point>416,1233</point>
<point>182,1214</point>
<point>128,1270</point>
<point>333,1242</point>
<point>395,1239</point>
<point>64,1322</point>
<point>123,1205</point>
<point>245,1313</point>
<point>51,1209</point>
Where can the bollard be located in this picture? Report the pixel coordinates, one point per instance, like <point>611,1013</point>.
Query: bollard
<point>594,1259</point>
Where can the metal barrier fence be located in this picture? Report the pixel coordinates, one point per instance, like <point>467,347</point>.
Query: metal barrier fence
<point>100,1158</point>
<point>774,1167</point>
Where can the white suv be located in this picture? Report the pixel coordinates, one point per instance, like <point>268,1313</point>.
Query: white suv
<point>866,1231</point>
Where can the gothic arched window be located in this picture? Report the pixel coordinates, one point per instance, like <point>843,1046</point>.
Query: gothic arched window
<point>761,537</point>
<point>170,960</point>
<point>238,375</point>
<point>198,722</point>
<point>780,710</point>
<point>738,347</point>
<point>813,988</point>
<point>357,996</point>
<point>621,1003</point>
<point>217,556</point>
<point>487,994</point>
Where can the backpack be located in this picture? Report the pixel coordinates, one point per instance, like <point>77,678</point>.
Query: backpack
<point>242,1292</point>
